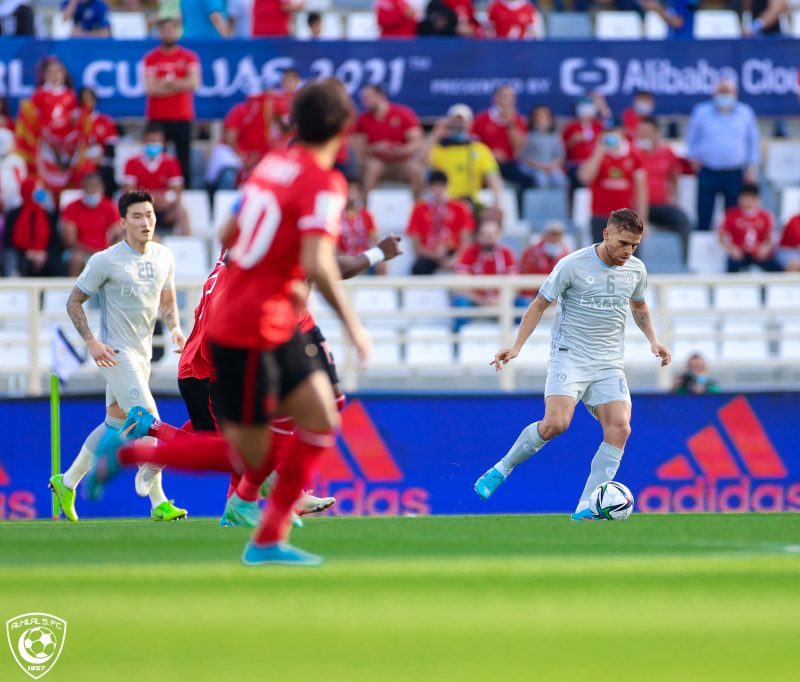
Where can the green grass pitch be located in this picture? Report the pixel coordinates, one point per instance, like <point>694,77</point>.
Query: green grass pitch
<point>695,597</point>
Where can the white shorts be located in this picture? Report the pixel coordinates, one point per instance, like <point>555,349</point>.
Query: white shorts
<point>127,383</point>
<point>603,387</point>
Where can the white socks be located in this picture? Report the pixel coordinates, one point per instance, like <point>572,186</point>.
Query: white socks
<point>85,460</point>
<point>604,467</point>
<point>528,443</point>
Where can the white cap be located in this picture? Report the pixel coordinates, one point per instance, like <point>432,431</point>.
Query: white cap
<point>461,110</point>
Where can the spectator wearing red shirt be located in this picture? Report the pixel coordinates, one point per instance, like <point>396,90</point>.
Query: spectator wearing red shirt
<point>97,131</point>
<point>643,106</point>
<point>390,141</point>
<point>663,169</point>
<point>789,247</point>
<point>89,224</point>
<point>172,74</point>
<point>503,129</point>
<point>160,174</point>
<point>580,135</point>
<point>541,256</point>
<point>746,233</point>
<point>468,24</point>
<point>55,102</point>
<point>273,18</point>
<point>396,19</point>
<point>280,109</point>
<point>440,228</point>
<point>358,231</point>
<point>617,179</point>
<point>512,19</point>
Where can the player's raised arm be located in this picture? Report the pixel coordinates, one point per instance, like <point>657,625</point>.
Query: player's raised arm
<point>641,316</point>
<point>386,249</point>
<point>530,320</point>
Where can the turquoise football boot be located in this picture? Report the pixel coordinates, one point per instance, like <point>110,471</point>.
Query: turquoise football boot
<point>278,553</point>
<point>583,515</point>
<point>488,483</point>
<point>138,423</point>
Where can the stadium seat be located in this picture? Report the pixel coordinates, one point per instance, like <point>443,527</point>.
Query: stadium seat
<point>429,346</point>
<point>662,252</point>
<point>122,152</point>
<point>332,28</point>
<point>687,297</point>
<point>782,166</point>
<point>196,203</point>
<point>478,343</point>
<point>737,297</point>
<point>681,350</point>
<point>434,302</point>
<point>783,297</point>
<point>223,203</point>
<point>128,25</point>
<point>391,208</point>
<point>361,26</point>
<point>618,26</point>
<point>60,28</point>
<point>569,25</point>
<point>68,196</point>
<point>789,344</point>
<point>706,255</point>
<point>637,351</point>
<point>655,28</point>
<point>385,348</point>
<point>790,204</point>
<point>716,24</point>
<point>377,307</point>
<point>55,301</point>
<point>795,28</point>
<point>510,208</point>
<point>191,257</point>
<point>15,301</point>
<point>748,343</point>
<point>539,206</point>
<point>13,356</point>
<point>582,213</point>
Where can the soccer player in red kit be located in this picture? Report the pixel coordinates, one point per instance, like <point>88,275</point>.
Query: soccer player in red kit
<point>285,232</point>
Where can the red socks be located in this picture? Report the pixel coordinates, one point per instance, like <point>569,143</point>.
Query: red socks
<point>200,453</point>
<point>166,433</point>
<point>281,438</point>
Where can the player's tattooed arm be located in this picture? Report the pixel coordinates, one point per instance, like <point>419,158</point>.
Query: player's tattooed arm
<point>171,318</point>
<point>643,320</point>
<point>76,313</point>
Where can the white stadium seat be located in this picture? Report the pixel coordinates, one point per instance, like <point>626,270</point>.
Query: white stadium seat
<point>55,301</point>
<point>391,208</point>
<point>14,301</point>
<point>681,350</point>
<point>716,24</point>
<point>362,26</point>
<point>782,165</point>
<point>478,343</point>
<point>796,24</point>
<point>687,297</point>
<point>510,208</point>
<point>790,204</point>
<point>376,307</point>
<point>783,296</point>
<point>191,257</point>
<point>60,27</point>
<point>655,28</point>
<point>582,212</point>
<point>68,196</point>
<point>706,255</point>
<point>224,199</point>
<point>429,346</point>
<point>196,203</point>
<point>122,152</point>
<point>128,25</point>
<point>618,26</point>
<point>737,297</point>
<point>385,349</point>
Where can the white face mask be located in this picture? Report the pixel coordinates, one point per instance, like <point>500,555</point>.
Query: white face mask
<point>552,249</point>
<point>645,144</point>
<point>586,111</point>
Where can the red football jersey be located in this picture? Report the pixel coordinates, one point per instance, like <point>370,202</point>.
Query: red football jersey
<point>661,166</point>
<point>55,107</point>
<point>790,238</point>
<point>171,64</point>
<point>102,128</point>
<point>613,186</point>
<point>159,174</point>
<point>437,224</point>
<point>195,362</point>
<point>476,261</point>
<point>580,138</point>
<point>494,133</point>
<point>392,127</point>
<point>249,119</point>
<point>271,18</point>
<point>396,19</point>
<point>358,232</point>
<point>747,230</point>
<point>93,223</point>
<point>287,197</point>
<point>512,18</point>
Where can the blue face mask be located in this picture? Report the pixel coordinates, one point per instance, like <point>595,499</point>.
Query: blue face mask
<point>153,149</point>
<point>92,200</point>
<point>725,101</point>
<point>611,140</point>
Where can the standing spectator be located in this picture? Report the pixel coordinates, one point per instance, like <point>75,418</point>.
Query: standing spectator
<point>502,128</point>
<point>55,102</point>
<point>205,20</point>
<point>766,15</point>
<point>159,173</point>
<point>580,135</point>
<point>789,247</point>
<point>6,120</point>
<point>541,256</point>
<point>240,14</point>
<point>513,19</point>
<point>440,20</point>
<point>643,106</point>
<point>89,18</point>
<point>89,224</point>
<point>358,231</point>
<point>723,143</point>
<point>678,15</point>
<point>390,139</point>
<point>465,160</point>
<point>17,18</point>
<point>746,234</point>
<point>273,18</point>
<point>617,179</point>
<point>663,169</point>
<point>396,18</point>
<point>172,74</point>
<point>440,228</point>
<point>543,156</point>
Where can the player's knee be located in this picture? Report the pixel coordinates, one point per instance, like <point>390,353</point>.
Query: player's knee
<point>553,426</point>
<point>617,432</point>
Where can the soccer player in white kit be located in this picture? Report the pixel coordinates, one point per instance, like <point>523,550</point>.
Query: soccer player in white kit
<point>135,280</point>
<point>594,287</point>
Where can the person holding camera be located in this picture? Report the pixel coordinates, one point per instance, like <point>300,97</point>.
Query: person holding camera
<point>696,379</point>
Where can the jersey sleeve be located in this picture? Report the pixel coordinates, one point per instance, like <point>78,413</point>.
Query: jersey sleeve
<point>94,275</point>
<point>558,282</point>
<point>68,214</point>
<point>467,260</point>
<point>640,289</point>
<point>486,161</point>
<point>321,206</point>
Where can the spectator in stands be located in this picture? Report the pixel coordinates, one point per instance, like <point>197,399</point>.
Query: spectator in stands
<point>389,139</point>
<point>513,20</point>
<point>205,20</point>
<point>723,143</point>
<point>273,18</point>
<point>617,179</point>
<point>503,129</point>
<point>789,247</point>
<point>358,232</point>
<point>440,20</point>
<point>678,15</point>
<point>13,173</point>
<point>440,228</point>
<point>89,18</point>
<point>17,18</point>
<point>97,131</point>
<point>89,224</point>
<point>396,18</point>
<point>468,25</point>
<point>159,173</point>
<point>55,101</point>
<point>279,108</point>
<point>663,169</point>
<point>543,155</point>
<point>240,14</point>
<point>696,380</point>
<point>6,119</point>
<point>643,106</point>
<point>581,133</point>
<point>314,23</point>
<point>541,256</point>
<point>467,162</point>
<point>28,241</point>
<point>766,15</point>
<point>172,74</point>
<point>746,233</point>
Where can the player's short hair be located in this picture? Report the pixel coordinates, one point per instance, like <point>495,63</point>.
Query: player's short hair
<point>136,196</point>
<point>750,188</point>
<point>627,220</point>
<point>153,127</point>
<point>321,110</point>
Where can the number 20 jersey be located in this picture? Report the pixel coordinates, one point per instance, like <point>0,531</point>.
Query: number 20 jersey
<point>287,198</point>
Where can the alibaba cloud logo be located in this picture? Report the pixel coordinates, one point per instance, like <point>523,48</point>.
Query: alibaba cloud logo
<point>580,76</point>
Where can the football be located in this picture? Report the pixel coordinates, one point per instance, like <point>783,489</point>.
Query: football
<point>611,501</point>
<point>40,643</point>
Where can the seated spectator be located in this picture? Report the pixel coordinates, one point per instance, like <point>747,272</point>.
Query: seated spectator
<point>513,19</point>
<point>643,106</point>
<point>789,246</point>
<point>581,133</point>
<point>89,18</point>
<point>159,173</point>
<point>98,131</point>
<point>541,256</point>
<point>205,20</point>
<point>746,234</point>
<point>396,18</point>
<point>55,102</point>
<point>389,138</point>
<point>314,23</point>
<point>466,161</point>
<point>273,18</point>
<point>617,179</point>
<point>89,224</point>
<point>279,108</point>
<point>766,16</point>
<point>502,128</point>
<point>678,15</point>
<point>543,155</point>
<point>13,173</point>
<point>17,18</point>
<point>440,228</point>
<point>440,20</point>
<point>663,170</point>
<point>468,25</point>
<point>28,242</point>
<point>696,379</point>
<point>358,232</point>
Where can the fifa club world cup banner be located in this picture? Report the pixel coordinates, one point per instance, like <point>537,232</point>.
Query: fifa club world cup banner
<point>429,75</point>
<point>422,455</point>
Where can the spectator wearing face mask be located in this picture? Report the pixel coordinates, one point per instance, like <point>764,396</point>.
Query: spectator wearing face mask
<point>643,106</point>
<point>724,146</point>
<point>696,379</point>
<point>615,174</point>
<point>544,251</point>
<point>580,135</point>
